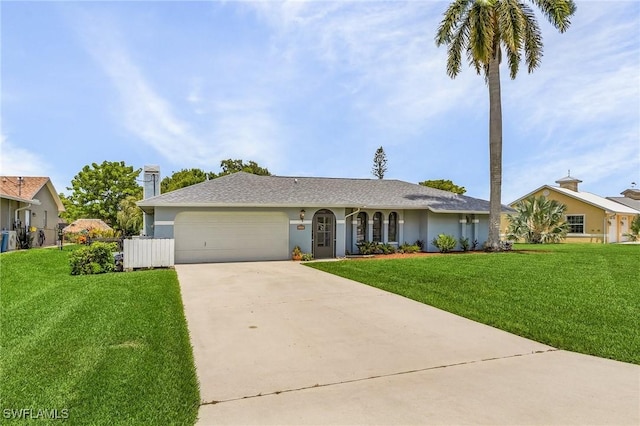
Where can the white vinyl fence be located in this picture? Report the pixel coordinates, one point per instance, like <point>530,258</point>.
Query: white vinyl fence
<point>148,253</point>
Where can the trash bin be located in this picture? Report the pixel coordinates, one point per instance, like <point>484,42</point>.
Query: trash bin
<point>5,241</point>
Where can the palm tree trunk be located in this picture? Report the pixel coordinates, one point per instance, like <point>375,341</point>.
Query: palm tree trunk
<point>495,153</point>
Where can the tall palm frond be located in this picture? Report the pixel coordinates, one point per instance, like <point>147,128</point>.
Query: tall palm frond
<point>482,29</point>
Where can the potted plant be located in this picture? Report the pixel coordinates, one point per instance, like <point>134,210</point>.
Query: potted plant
<point>296,254</point>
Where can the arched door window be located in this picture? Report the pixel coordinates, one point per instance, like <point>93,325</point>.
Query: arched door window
<point>362,227</point>
<point>377,227</point>
<point>393,227</point>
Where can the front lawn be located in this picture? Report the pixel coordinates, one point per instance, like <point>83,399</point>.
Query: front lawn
<point>101,349</point>
<point>580,297</point>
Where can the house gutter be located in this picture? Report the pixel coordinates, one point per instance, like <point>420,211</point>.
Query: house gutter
<point>352,213</point>
<point>28,206</point>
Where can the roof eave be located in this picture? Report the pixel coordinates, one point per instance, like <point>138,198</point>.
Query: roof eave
<point>10,197</point>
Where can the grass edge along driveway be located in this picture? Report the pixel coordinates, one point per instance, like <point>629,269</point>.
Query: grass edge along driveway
<point>102,349</point>
<point>578,297</point>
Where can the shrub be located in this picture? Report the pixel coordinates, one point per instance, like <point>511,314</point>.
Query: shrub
<point>369,247</point>
<point>94,259</point>
<point>444,243</point>
<point>387,248</point>
<point>409,248</point>
<point>306,257</point>
<point>464,244</point>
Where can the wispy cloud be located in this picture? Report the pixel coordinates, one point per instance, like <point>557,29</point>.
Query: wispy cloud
<point>17,161</point>
<point>381,54</point>
<point>144,111</point>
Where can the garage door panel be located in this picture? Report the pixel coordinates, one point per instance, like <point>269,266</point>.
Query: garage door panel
<point>231,236</point>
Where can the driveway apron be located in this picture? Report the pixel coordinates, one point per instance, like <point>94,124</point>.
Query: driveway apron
<point>281,343</point>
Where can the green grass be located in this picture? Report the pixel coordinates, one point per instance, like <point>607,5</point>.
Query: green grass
<point>109,349</point>
<point>579,297</point>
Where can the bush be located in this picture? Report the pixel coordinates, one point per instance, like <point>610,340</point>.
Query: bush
<point>464,244</point>
<point>444,243</point>
<point>306,257</point>
<point>387,248</point>
<point>94,259</point>
<point>409,248</point>
<point>369,247</point>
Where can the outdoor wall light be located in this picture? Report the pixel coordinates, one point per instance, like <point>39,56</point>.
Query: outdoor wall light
<point>302,212</point>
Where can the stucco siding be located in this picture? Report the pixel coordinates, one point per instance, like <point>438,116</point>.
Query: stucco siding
<point>411,226</point>
<point>448,224</point>
<point>7,207</point>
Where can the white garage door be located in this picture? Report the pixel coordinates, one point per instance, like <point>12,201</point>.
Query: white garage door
<point>231,236</point>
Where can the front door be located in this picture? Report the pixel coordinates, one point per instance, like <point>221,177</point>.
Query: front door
<point>324,234</point>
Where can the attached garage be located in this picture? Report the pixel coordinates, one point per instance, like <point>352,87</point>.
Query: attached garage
<point>231,236</point>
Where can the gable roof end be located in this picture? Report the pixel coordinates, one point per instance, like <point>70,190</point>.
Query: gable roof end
<point>25,188</point>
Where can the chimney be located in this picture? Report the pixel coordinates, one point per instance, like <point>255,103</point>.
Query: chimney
<point>569,182</point>
<point>150,189</point>
<point>151,181</point>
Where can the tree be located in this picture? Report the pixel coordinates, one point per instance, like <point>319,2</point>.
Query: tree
<point>482,28</point>
<point>232,166</point>
<point>379,163</point>
<point>129,216</point>
<point>184,178</point>
<point>445,185</point>
<point>538,220</point>
<point>71,212</point>
<point>98,189</point>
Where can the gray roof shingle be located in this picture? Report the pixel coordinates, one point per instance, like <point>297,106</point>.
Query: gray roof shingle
<point>629,202</point>
<point>248,190</point>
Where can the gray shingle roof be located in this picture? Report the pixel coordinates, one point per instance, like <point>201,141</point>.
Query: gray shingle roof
<point>629,202</point>
<point>244,190</point>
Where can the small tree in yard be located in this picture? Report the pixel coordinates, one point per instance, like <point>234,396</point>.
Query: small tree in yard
<point>538,220</point>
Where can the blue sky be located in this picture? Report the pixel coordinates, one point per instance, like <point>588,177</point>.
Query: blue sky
<point>311,88</point>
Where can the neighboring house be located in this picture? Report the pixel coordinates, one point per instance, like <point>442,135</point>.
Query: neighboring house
<point>630,198</point>
<point>592,218</point>
<point>242,217</point>
<point>30,202</point>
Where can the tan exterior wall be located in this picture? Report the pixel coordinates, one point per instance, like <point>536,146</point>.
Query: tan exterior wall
<point>598,227</point>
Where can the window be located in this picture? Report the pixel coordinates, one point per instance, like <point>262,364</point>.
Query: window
<point>45,220</point>
<point>576,223</point>
<point>362,227</point>
<point>393,227</point>
<point>377,227</point>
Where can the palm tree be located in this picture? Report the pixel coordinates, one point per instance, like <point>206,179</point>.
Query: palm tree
<point>538,220</point>
<point>483,28</point>
<point>129,216</point>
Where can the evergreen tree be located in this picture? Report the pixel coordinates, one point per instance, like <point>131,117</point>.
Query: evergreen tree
<point>379,163</point>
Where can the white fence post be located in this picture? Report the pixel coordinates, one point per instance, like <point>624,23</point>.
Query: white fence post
<point>148,253</point>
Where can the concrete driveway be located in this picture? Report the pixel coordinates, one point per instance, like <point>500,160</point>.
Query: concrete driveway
<point>281,343</point>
